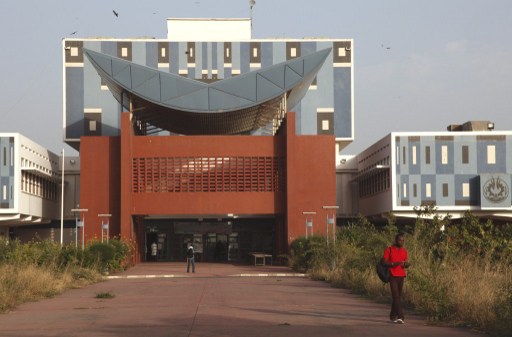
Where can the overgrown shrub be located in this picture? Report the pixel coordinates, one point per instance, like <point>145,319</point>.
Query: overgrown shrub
<point>42,268</point>
<point>457,268</point>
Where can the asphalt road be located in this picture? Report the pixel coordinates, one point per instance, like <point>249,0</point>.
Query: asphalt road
<point>218,300</point>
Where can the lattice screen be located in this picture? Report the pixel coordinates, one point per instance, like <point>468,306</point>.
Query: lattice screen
<point>211,174</point>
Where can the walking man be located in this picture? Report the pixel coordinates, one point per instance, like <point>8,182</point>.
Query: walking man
<point>395,257</point>
<point>190,258</point>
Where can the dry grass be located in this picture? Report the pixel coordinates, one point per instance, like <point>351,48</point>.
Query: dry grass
<point>19,284</point>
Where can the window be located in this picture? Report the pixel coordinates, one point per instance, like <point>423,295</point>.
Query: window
<point>191,52</point>
<point>325,125</point>
<point>428,190</point>
<point>491,154</point>
<point>124,52</point>
<point>227,52</point>
<point>397,155</point>
<point>4,192</point>
<point>74,51</point>
<point>413,155</point>
<point>403,155</point>
<point>414,190</point>
<point>465,154</point>
<point>254,52</point>
<point>444,154</point>
<point>5,156</point>
<point>465,190</point>
<point>427,154</point>
<point>342,52</point>
<point>162,52</point>
<point>92,125</point>
<point>293,52</point>
<point>445,190</point>
<point>405,190</point>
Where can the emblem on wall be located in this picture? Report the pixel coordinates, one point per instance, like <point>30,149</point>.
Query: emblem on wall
<point>495,190</point>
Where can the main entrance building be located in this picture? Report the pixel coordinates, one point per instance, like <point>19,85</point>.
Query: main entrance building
<point>208,136</point>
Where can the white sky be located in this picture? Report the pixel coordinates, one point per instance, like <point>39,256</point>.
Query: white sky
<point>449,61</point>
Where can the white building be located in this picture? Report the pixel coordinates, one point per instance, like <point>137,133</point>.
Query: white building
<point>30,188</point>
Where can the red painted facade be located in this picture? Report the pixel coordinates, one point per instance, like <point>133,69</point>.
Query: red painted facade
<point>273,176</point>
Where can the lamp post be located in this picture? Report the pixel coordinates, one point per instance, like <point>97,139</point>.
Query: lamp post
<point>251,5</point>
<point>309,222</point>
<point>330,221</point>
<point>79,223</point>
<point>62,203</point>
<point>104,225</point>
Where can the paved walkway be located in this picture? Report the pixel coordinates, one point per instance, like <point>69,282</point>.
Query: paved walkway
<point>160,299</point>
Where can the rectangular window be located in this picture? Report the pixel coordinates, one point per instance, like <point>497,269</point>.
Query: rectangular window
<point>414,190</point>
<point>397,155</point>
<point>92,125</point>
<point>491,154</point>
<point>427,154</point>
<point>465,154</point>
<point>74,51</point>
<point>342,52</point>
<point>227,52</point>
<point>465,190</point>
<point>4,192</point>
<point>325,125</point>
<point>428,190</point>
<point>254,52</point>
<point>162,52</point>
<point>413,155</point>
<point>403,155</point>
<point>124,52</point>
<point>5,156</point>
<point>444,154</point>
<point>293,52</point>
<point>445,190</point>
<point>405,190</point>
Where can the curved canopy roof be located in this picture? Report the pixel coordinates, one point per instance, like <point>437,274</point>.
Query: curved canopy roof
<point>233,105</point>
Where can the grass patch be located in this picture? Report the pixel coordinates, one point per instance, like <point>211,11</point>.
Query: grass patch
<point>459,277</point>
<point>42,269</point>
<point>105,295</point>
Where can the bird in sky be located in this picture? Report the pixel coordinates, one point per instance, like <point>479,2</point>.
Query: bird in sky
<point>74,32</point>
<point>115,13</point>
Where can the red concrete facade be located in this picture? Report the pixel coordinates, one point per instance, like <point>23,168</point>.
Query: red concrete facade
<point>135,176</point>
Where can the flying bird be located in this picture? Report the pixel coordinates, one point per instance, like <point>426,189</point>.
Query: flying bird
<point>115,13</point>
<point>74,33</point>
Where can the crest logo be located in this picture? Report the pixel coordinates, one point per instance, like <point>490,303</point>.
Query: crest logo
<point>495,190</point>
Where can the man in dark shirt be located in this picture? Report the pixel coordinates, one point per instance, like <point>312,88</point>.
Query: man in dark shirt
<point>395,257</point>
<point>190,258</point>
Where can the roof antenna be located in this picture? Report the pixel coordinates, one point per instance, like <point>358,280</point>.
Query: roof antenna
<point>251,5</point>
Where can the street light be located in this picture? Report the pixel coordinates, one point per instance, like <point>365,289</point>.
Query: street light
<point>104,225</point>
<point>309,222</point>
<point>330,221</point>
<point>62,203</point>
<point>79,224</point>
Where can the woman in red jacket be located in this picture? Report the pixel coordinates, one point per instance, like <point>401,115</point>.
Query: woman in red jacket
<point>395,257</point>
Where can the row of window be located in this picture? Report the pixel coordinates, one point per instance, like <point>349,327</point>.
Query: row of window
<point>374,184</point>
<point>465,189</point>
<point>341,51</point>
<point>38,186</point>
<point>491,155</point>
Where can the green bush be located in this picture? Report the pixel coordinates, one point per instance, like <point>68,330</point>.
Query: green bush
<point>454,272</point>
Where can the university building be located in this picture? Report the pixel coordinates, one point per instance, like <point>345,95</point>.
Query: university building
<point>208,135</point>
<point>232,143</point>
<point>468,167</point>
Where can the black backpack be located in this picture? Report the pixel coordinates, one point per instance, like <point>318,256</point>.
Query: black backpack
<point>383,270</point>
